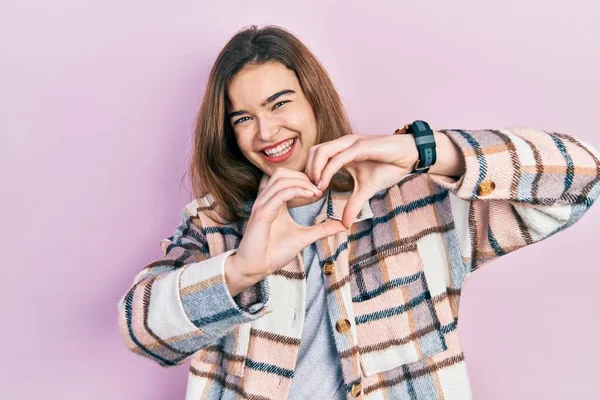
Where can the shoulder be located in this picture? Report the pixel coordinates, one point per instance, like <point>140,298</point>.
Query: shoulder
<point>201,211</point>
<point>198,206</point>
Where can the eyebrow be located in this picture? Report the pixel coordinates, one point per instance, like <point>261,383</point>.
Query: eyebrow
<point>269,99</point>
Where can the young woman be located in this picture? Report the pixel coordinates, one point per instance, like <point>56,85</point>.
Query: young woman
<point>315,262</point>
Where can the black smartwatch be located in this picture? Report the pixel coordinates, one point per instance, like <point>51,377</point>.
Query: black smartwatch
<point>425,141</point>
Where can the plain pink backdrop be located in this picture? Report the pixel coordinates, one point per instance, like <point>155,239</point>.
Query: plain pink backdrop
<point>97,102</point>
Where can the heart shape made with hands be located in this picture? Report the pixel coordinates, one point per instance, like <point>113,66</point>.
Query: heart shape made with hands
<point>375,162</point>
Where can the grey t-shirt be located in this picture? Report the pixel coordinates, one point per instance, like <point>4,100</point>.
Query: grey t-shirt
<point>318,372</point>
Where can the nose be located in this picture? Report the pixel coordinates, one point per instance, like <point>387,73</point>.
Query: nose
<point>267,128</point>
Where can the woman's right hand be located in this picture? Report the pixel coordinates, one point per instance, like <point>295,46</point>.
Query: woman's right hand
<point>272,238</point>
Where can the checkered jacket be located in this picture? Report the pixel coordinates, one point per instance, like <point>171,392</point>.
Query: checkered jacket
<point>393,280</point>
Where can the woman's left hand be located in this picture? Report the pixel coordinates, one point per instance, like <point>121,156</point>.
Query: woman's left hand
<point>376,162</point>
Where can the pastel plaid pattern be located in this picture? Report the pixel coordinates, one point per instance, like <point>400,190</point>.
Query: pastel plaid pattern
<point>397,279</point>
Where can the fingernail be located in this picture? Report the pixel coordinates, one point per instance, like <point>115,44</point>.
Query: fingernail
<point>319,184</point>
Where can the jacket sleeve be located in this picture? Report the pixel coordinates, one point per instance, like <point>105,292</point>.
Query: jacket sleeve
<point>181,303</point>
<point>520,186</point>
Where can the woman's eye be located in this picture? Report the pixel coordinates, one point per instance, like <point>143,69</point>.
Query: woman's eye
<point>281,102</point>
<point>277,105</point>
<point>240,120</point>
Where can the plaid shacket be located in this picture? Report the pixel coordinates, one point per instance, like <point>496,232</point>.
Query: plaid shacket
<point>393,280</point>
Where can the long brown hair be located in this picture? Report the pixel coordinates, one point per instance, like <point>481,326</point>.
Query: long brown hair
<point>217,165</point>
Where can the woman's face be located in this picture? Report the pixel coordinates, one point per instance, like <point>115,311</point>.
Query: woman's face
<point>268,108</point>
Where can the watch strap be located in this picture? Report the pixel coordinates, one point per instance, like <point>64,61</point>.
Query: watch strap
<point>425,141</point>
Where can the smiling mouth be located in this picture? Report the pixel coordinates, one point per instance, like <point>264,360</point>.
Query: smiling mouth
<point>286,150</point>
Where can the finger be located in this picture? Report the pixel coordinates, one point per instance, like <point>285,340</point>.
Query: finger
<point>282,197</point>
<point>285,183</point>
<point>353,207</point>
<point>322,230</point>
<point>287,173</point>
<point>279,173</point>
<point>326,151</point>
<point>337,162</point>
<point>308,167</point>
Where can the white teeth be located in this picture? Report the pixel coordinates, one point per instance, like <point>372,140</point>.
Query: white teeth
<point>281,149</point>
<point>280,153</point>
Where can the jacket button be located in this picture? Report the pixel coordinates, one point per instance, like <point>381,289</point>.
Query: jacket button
<point>356,389</point>
<point>485,188</point>
<point>343,325</point>
<point>328,268</point>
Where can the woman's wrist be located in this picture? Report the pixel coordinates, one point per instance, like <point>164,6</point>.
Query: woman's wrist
<point>449,161</point>
<point>236,278</point>
<point>449,158</point>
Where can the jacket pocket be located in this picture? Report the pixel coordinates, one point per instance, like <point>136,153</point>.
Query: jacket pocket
<point>396,318</point>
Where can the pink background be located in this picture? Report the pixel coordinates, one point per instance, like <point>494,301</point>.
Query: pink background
<point>97,103</point>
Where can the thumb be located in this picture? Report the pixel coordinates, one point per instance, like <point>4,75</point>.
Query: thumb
<point>322,230</point>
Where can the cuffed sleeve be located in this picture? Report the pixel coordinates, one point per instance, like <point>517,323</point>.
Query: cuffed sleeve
<point>207,301</point>
<point>180,304</point>
<point>520,186</point>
